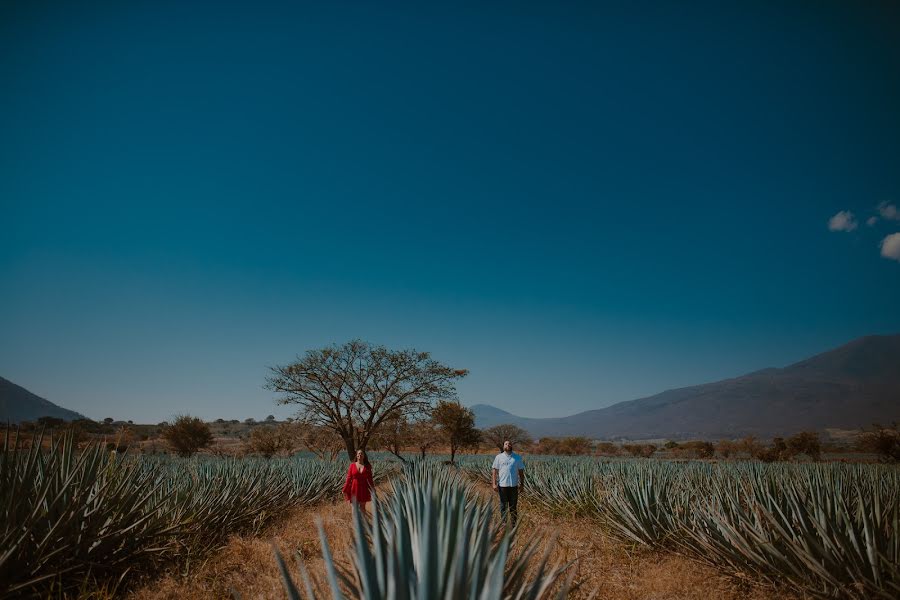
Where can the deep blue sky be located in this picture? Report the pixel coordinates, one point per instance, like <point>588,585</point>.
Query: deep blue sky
<point>580,203</point>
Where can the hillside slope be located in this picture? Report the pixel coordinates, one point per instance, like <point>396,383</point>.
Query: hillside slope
<point>849,387</point>
<point>18,404</point>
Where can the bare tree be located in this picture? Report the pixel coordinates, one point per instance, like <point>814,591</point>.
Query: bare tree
<point>498,434</point>
<point>351,389</point>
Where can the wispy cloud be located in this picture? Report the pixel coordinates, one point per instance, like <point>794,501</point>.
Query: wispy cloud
<point>871,221</point>
<point>888,211</point>
<point>843,221</point>
<point>890,247</point>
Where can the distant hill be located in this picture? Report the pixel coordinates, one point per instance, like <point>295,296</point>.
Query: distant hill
<point>850,387</point>
<point>18,404</point>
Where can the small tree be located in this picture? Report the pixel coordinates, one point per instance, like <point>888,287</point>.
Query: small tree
<point>498,434</point>
<point>50,422</point>
<point>883,441</point>
<point>607,449</point>
<point>750,445</point>
<point>725,448</point>
<point>648,450</point>
<point>187,434</point>
<point>805,442</point>
<point>392,435</point>
<point>269,441</point>
<point>423,436</point>
<point>456,425</point>
<point>697,448</point>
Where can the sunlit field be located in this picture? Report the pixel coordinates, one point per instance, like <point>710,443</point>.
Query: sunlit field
<point>94,523</point>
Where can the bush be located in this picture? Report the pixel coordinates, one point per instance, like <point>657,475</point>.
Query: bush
<point>696,449</point>
<point>725,448</point>
<point>187,434</point>
<point>883,441</point>
<point>805,442</point>
<point>269,441</point>
<point>607,449</point>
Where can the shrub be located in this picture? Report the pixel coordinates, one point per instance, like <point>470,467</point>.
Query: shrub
<point>805,442</point>
<point>725,448</point>
<point>269,441</point>
<point>187,434</point>
<point>883,441</point>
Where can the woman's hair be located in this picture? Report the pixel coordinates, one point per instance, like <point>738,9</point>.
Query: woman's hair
<point>365,457</point>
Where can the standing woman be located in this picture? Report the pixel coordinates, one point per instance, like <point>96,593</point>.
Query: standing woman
<point>359,482</point>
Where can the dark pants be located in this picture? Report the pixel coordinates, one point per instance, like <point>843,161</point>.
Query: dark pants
<point>509,499</point>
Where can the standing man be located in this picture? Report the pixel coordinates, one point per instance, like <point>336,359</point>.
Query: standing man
<point>507,474</point>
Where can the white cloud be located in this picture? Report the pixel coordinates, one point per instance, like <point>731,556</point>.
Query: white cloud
<point>843,221</point>
<point>890,247</point>
<point>889,211</point>
<point>871,221</point>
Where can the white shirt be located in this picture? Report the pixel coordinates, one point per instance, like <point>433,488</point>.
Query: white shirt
<point>508,467</point>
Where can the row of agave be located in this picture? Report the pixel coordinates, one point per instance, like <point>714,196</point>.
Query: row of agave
<point>434,537</point>
<point>828,530</point>
<point>72,517</point>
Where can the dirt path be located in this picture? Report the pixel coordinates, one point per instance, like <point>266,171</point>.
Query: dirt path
<point>618,571</point>
<point>615,570</point>
<point>247,564</point>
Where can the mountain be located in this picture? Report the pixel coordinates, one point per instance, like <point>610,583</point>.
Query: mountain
<point>18,404</point>
<point>849,387</point>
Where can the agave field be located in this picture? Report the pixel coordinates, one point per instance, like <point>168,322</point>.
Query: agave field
<point>86,519</point>
<point>827,530</point>
<point>76,519</point>
<point>434,536</point>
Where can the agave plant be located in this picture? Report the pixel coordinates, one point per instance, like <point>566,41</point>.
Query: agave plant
<point>434,538</point>
<point>825,531</point>
<point>642,502</point>
<point>70,516</point>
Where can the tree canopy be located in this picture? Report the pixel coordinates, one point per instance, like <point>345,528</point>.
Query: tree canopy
<point>498,434</point>
<point>353,388</point>
<point>187,435</point>
<point>456,425</point>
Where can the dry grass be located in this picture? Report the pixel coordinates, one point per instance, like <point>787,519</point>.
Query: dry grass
<point>617,571</point>
<point>614,570</point>
<point>247,564</point>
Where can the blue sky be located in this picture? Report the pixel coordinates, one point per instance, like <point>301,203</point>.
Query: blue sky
<point>581,203</point>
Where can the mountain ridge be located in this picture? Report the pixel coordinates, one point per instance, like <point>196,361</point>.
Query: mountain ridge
<point>848,387</point>
<point>18,404</point>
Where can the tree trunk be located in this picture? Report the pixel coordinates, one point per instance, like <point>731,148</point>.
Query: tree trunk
<point>351,447</point>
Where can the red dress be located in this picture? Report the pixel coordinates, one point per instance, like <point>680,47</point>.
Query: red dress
<point>358,485</point>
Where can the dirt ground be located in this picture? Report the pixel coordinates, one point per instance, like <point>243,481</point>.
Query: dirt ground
<point>605,567</point>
